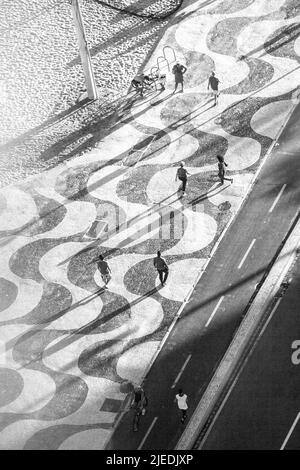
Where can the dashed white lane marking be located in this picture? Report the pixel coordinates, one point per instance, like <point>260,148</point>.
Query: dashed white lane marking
<point>247,253</point>
<point>181,370</point>
<point>290,432</point>
<point>277,198</point>
<point>214,311</point>
<point>147,433</point>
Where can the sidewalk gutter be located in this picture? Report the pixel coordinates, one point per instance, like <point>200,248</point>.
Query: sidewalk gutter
<point>228,365</point>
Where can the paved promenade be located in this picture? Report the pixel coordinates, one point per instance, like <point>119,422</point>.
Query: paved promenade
<point>68,347</point>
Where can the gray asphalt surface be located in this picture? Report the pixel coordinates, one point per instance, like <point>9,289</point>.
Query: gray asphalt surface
<point>203,332</point>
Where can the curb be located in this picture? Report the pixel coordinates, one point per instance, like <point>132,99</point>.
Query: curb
<point>119,114</point>
<point>238,346</point>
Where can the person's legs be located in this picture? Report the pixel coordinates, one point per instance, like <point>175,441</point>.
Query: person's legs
<point>176,85</point>
<point>184,184</point>
<point>161,273</point>
<point>166,274</point>
<point>162,81</point>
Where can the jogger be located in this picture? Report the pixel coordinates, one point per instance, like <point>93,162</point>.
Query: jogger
<point>139,403</point>
<point>178,71</point>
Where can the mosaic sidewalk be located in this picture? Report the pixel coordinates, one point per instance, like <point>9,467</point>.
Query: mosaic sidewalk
<point>67,345</point>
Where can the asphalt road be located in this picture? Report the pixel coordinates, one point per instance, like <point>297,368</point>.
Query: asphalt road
<point>263,409</point>
<point>207,324</point>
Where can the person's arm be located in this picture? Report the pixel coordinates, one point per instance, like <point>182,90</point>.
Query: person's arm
<point>154,262</point>
<point>184,69</point>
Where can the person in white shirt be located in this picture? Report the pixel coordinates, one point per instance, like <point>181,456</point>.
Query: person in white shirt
<point>182,403</point>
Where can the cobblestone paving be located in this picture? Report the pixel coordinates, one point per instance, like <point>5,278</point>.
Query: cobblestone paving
<point>59,328</point>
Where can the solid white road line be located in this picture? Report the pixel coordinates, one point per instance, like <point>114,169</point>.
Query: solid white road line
<point>277,198</point>
<point>147,433</point>
<point>214,310</point>
<point>290,432</point>
<point>247,253</point>
<point>181,370</point>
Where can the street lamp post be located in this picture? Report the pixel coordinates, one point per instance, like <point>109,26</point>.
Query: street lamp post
<point>84,52</point>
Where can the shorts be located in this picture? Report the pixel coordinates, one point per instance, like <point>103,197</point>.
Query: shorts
<point>215,92</point>
<point>178,79</point>
<point>106,277</point>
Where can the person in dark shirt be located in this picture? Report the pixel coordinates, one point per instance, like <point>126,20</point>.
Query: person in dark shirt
<point>181,174</point>
<point>139,403</point>
<point>178,71</point>
<point>213,83</point>
<point>182,404</point>
<point>162,268</point>
<point>104,270</point>
<point>222,170</point>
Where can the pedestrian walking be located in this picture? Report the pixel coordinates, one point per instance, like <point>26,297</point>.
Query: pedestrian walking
<point>104,270</point>
<point>181,174</point>
<point>162,268</point>
<point>222,170</point>
<point>213,83</point>
<point>182,404</point>
<point>178,70</point>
